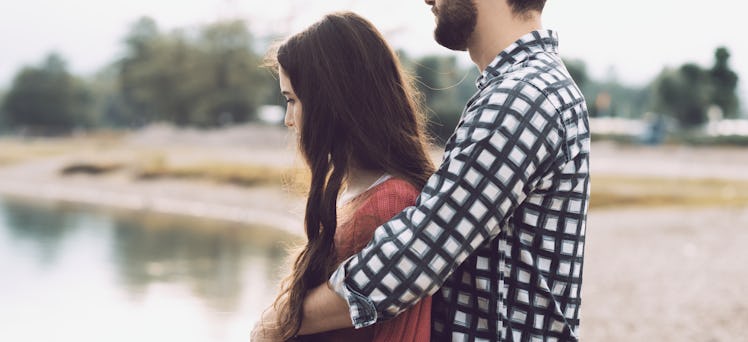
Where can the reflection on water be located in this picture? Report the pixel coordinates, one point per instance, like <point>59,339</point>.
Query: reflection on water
<point>72,272</point>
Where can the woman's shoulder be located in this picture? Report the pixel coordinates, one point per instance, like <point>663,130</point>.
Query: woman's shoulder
<point>393,189</point>
<point>373,208</point>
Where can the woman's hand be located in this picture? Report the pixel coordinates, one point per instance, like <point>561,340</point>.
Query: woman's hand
<point>266,330</point>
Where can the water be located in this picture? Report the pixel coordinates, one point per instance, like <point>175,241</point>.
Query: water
<point>80,273</point>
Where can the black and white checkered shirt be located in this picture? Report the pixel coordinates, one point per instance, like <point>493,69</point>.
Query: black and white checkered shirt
<point>497,235</point>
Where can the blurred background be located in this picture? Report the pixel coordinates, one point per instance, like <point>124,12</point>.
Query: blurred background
<point>149,191</point>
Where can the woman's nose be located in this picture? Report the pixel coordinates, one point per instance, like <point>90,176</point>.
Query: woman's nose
<point>288,120</point>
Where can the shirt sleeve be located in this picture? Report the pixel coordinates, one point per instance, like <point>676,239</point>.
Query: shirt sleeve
<point>506,141</point>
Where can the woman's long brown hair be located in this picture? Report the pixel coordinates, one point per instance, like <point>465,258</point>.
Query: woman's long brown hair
<point>359,110</point>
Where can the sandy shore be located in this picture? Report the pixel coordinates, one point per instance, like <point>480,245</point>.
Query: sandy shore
<point>666,275</point>
<point>652,274</point>
<point>266,205</point>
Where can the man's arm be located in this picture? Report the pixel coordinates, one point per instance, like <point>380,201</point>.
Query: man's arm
<point>490,167</point>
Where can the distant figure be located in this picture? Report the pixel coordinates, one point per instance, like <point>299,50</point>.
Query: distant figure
<point>497,234</point>
<point>361,131</point>
<point>656,129</point>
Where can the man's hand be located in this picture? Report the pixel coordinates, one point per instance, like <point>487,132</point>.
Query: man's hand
<point>266,330</point>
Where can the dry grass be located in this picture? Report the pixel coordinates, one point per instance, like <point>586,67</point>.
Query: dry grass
<point>607,190</point>
<point>239,174</point>
<point>155,166</point>
<point>632,191</point>
<point>12,151</point>
<point>109,156</point>
<point>18,150</point>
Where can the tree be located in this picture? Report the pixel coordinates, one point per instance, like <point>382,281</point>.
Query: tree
<point>725,83</point>
<point>139,70</point>
<point>233,85</point>
<point>578,71</point>
<point>598,95</point>
<point>445,88</point>
<point>108,103</point>
<point>3,119</point>
<point>683,94</point>
<point>205,78</point>
<point>47,99</point>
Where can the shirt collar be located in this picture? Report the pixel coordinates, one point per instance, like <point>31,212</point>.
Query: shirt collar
<point>529,44</point>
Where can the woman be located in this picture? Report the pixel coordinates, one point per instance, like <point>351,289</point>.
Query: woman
<point>360,130</point>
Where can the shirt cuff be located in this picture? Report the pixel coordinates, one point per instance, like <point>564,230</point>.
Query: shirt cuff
<point>361,309</point>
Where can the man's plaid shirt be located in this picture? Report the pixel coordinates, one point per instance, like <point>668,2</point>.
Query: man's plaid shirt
<point>497,235</point>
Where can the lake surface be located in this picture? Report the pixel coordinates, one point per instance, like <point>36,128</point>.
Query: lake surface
<point>81,273</point>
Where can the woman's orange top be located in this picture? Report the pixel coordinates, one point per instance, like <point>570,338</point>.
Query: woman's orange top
<point>372,209</point>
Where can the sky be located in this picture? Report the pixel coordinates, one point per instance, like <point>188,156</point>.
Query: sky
<point>629,40</point>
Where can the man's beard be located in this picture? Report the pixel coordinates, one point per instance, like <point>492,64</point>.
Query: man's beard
<point>455,23</point>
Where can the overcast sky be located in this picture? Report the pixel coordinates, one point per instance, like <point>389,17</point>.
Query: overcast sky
<point>635,38</point>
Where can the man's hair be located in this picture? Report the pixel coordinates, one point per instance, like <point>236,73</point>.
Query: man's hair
<point>521,7</point>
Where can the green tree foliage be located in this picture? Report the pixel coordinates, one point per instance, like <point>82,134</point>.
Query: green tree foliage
<point>725,83</point>
<point>211,76</point>
<point>206,78</point>
<point>624,101</point>
<point>3,120</point>
<point>445,88</point>
<point>578,71</point>
<point>683,94</point>
<point>139,70</point>
<point>609,97</point>
<point>47,99</point>
<point>687,93</point>
<point>108,103</point>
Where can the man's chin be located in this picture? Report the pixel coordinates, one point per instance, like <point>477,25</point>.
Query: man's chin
<point>451,44</point>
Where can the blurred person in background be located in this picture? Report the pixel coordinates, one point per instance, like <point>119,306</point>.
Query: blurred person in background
<point>361,131</point>
<point>497,234</point>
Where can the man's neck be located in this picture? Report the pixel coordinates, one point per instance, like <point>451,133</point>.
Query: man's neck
<point>495,33</point>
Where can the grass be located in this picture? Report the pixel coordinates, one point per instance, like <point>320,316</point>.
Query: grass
<point>608,191</point>
<point>630,191</point>
<point>243,175</point>
<point>12,152</point>
<point>724,140</point>
<point>221,172</point>
<point>683,138</point>
<point>15,150</point>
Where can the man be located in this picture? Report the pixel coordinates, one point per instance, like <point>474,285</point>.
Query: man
<point>497,235</point>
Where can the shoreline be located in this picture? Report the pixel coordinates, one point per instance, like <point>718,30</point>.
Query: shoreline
<point>37,174</point>
<point>226,203</point>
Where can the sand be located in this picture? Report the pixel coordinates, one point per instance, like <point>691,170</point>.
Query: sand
<point>666,275</point>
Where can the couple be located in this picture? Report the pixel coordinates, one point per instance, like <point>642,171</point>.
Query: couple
<point>489,245</point>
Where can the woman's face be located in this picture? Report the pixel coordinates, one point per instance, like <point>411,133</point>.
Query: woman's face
<point>293,105</point>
